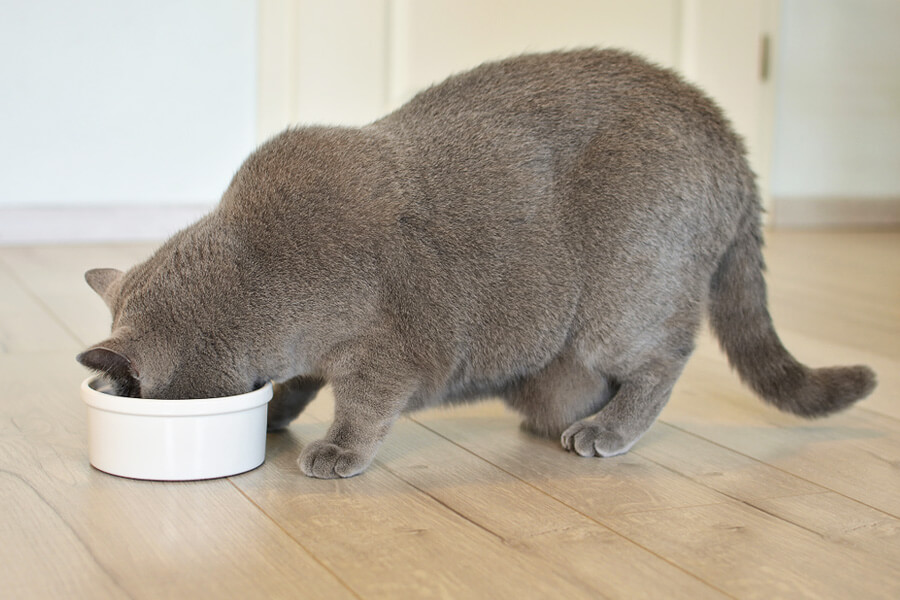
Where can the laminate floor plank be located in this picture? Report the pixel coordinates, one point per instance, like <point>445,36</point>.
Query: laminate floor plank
<point>855,452</point>
<point>658,528</point>
<point>752,554</point>
<point>526,519</point>
<point>26,325</point>
<point>724,496</point>
<point>845,521</point>
<point>72,531</point>
<point>387,539</point>
<point>55,275</point>
<point>842,287</point>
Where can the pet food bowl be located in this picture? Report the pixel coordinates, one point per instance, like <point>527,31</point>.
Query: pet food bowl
<point>175,440</point>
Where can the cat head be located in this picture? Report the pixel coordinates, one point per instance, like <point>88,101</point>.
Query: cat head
<point>176,332</point>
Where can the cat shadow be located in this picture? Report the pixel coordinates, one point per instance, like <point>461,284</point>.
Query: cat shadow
<point>449,448</point>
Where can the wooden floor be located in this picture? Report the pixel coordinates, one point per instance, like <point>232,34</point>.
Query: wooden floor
<point>724,497</point>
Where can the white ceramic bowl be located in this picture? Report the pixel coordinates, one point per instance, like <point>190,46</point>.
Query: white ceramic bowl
<point>175,440</point>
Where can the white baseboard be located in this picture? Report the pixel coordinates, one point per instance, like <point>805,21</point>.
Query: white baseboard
<point>836,212</point>
<point>82,224</point>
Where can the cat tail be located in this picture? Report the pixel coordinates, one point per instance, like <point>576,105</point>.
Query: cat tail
<point>740,317</point>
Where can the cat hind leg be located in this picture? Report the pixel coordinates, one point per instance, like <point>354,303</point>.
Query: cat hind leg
<point>628,415</point>
<point>289,399</point>
<point>562,392</point>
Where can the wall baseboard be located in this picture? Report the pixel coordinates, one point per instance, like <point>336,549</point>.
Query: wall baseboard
<point>83,224</point>
<point>836,212</point>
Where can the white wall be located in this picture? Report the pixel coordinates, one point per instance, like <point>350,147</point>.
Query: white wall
<point>837,132</point>
<point>111,102</point>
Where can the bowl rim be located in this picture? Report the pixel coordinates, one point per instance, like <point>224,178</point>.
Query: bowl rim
<point>173,408</point>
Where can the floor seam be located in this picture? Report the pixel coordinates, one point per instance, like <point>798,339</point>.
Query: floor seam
<point>295,540</point>
<point>39,301</point>
<point>577,511</point>
<point>777,468</point>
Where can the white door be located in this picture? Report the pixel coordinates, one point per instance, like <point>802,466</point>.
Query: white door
<point>350,61</point>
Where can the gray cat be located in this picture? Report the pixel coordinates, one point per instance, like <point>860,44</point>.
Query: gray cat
<point>548,229</point>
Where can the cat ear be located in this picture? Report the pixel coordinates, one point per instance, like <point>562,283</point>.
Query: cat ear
<point>100,281</point>
<point>102,357</point>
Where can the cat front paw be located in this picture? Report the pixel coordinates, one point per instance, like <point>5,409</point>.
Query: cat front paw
<point>589,438</point>
<point>324,460</point>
